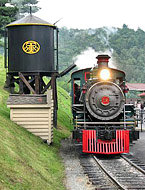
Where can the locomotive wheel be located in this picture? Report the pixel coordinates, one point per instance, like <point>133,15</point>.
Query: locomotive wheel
<point>105,100</point>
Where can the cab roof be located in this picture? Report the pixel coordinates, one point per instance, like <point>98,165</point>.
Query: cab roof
<point>88,69</point>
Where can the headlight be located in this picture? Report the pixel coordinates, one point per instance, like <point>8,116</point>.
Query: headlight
<point>105,74</point>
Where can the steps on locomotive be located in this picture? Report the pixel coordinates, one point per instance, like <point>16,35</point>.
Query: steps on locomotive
<point>78,108</point>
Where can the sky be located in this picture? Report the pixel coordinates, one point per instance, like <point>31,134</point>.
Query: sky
<point>83,14</point>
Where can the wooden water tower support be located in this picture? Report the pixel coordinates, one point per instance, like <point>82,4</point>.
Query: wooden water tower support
<point>34,84</point>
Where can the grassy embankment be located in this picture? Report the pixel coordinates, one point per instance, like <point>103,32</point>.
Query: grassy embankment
<point>25,161</point>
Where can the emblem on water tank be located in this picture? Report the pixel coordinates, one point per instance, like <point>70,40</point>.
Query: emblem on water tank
<point>31,47</point>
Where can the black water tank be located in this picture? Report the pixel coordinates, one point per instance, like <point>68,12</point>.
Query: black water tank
<point>31,45</point>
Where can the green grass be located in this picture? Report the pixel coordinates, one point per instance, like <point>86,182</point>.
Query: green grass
<point>25,161</point>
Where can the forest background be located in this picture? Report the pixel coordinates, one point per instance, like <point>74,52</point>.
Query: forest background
<point>126,46</point>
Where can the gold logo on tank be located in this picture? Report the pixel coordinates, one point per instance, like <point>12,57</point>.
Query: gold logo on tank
<point>31,47</point>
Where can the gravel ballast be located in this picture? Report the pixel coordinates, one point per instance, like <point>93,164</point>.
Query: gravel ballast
<point>75,177</point>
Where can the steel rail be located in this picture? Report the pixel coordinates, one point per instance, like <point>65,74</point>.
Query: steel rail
<point>136,167</point>
<point>109,175</point>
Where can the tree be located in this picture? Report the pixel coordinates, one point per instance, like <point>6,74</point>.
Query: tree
<point>24,6</point>
<point>7,14</point>
<point>129,52</point>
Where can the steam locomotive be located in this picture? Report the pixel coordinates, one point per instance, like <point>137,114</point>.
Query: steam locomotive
<point>103,122</point>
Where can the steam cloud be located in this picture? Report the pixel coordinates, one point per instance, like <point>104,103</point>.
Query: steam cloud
<point>88,58</point>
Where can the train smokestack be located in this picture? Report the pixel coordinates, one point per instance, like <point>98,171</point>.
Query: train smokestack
<point>103,60</point>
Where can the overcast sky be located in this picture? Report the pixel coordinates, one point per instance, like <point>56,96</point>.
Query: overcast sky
<point>93,13</point>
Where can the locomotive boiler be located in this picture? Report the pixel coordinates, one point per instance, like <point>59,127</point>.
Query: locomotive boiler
<point>103,122</point>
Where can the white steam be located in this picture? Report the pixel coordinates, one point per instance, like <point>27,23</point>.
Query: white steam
<point>88,59</point>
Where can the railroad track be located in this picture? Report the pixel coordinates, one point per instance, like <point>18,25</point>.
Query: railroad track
<point>123,172</point>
